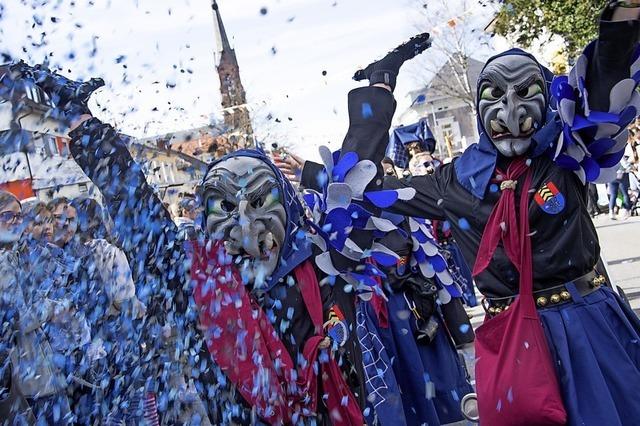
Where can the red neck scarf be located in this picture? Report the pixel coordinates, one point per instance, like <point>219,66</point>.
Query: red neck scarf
<point>503,223</point>
<point>243,343</point>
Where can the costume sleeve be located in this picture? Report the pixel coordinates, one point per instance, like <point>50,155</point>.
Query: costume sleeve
<point>371,110</point>
<point>149,240</point>
<point>428,195</point>
<point>598,100</point>
<point>310,176</point>
<point>140,220</point>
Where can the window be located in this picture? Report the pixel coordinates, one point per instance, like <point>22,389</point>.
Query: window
<point>82,187</point>
<point>50,146</point>
<point>163,167</point>
<point>155,170</point>
<point>63,147</point>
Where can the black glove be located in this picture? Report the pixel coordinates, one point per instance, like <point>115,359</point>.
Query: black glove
<point>68,97</point>
<point>386,69</point>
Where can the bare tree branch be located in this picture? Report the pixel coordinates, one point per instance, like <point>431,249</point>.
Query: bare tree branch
<point>454,38</point>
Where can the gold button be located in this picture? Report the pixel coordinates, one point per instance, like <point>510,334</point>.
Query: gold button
<point>565,295</point>
<point>492,310</point>
<point>555,298</point>
<point>541,301</point>
<point>498,310</point>
<point>599,280</point>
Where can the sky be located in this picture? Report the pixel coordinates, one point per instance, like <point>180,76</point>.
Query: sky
<point>157,57</point>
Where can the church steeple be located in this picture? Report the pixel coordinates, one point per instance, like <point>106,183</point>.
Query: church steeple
<point>221,34</point>
<point>234,102</point>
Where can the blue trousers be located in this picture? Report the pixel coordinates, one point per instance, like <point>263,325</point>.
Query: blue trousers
<point>621,185</point>
<point>595,342</point>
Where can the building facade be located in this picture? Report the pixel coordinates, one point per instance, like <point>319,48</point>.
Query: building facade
<point>448,104</point>
<point>35,160</point>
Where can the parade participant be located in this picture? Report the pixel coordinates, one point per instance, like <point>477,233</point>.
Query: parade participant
<point>426,363</point>
<point>412,146</point>
<point>263,229</point>
<point>170,340</point>
<point>533,163</point>
<point>264,265</point>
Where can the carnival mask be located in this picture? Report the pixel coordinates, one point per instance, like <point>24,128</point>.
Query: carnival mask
<point>512,102</point>
<point>244,208</point>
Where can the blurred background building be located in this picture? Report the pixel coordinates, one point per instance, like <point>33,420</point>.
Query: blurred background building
<point>35,160</point>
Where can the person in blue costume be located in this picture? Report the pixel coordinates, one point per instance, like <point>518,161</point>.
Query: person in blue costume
<point>567,134</point>
<point>403,337</point>
<point>427,366</point>
<point>412,146</point>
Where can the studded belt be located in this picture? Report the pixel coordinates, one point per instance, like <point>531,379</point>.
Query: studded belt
<point>551,296</point>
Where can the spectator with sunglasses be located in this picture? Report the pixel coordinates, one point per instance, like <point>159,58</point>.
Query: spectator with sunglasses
<point>30,389</point>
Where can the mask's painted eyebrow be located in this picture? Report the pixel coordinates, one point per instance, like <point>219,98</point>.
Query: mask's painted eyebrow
<point>261,177</point>
<point>223,182</point>
<point>489,77</point>
<point>528,82</point>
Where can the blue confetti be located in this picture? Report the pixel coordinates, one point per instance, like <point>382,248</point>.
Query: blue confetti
<point>367,111</point>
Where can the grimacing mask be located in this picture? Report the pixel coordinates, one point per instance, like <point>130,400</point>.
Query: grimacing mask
<point>512,102</point>
<point>244,208</point>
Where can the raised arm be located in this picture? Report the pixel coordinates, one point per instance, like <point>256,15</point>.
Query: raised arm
<point>148,234</point>
<point>612,52</point>
<point>139,217</point>
<point>598,100</point>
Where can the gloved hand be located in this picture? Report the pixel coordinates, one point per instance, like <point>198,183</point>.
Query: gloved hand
<point>386,69</point>
<point>68,97</point>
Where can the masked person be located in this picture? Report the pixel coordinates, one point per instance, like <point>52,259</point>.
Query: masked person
<point>534,160</point>
<point>426,364</point>
<point>304,365</point>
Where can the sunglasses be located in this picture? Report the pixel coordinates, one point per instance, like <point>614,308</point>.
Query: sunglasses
<point>10,217</point>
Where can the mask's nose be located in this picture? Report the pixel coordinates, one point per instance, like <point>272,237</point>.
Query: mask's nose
<point>512,113</point>
<point>245,233</point>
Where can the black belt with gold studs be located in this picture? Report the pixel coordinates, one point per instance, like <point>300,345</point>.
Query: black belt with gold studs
<point>551,296</point>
